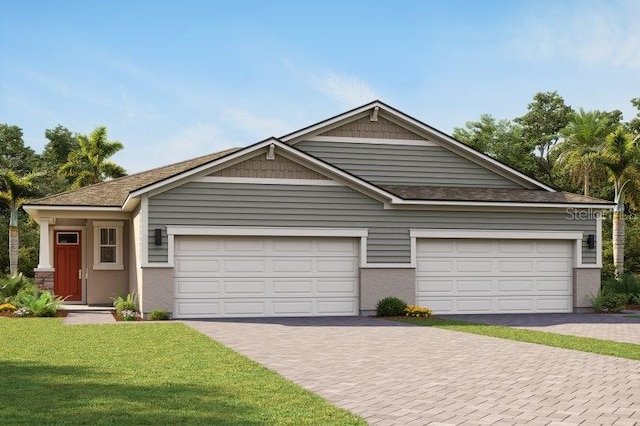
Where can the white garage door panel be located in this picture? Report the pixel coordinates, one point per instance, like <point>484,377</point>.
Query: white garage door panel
<point>259,276</point>
<point>494,276</point>
<point>245,307</point>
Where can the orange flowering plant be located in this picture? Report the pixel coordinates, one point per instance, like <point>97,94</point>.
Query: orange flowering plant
<point>418,311</point>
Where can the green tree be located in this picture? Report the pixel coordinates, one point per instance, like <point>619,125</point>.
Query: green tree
<point>56,153</point>
<point>634,124</point>
<point>621,157</point>
<point>13,154</point>
<point>88,164</point>
<point>584,137</point>
<point>546,116</point>
<point>500,139</point>
<point>61,143</point>
<point>14,191</point>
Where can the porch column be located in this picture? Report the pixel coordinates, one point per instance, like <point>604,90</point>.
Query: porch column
<point>44,262</point>
<point>44,273</point>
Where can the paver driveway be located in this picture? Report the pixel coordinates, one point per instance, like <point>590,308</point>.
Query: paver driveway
<point>392,373</point>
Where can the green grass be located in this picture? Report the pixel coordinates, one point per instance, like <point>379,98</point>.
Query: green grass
<point>585,344</point>
<point>142,374</point>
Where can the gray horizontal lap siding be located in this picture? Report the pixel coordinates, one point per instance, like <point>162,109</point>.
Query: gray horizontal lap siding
<point>405,164</point>
<point>224,204</point>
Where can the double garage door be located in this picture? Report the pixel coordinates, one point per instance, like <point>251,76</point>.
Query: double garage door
<point>265,276</point>
<point>460,276</point>
<point>303,276</point>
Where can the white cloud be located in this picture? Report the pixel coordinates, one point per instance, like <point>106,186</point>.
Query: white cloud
<point>192,141</point>
<point>348,90</point>
<point>254,125</point>
<point>591,32</point>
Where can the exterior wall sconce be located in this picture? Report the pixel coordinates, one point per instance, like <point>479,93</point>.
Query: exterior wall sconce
<point>157,236</point>
<point>591,241</point>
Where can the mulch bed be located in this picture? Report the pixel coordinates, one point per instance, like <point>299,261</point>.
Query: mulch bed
<point>118,317</point>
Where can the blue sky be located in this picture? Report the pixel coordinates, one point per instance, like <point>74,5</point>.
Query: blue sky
<point>175,79</point>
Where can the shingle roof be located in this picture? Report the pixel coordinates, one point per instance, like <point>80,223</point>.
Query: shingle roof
<point>114,193</point>
<point>453,193</point>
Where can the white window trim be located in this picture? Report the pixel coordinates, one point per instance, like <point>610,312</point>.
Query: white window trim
<point>97,264</point>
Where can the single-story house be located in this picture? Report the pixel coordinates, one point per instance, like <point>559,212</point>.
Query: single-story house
<point>326,220</point>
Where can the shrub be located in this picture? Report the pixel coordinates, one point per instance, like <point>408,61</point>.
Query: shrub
<point>127,303</point>
<point>608,302</point>
<point>390,307</point>
<point>417,311</point>
<point>128,315</point>
<point>44,304</point>
<point>628,284</point>
<point>7,307</point>
<point>159,315</point>
<point>11,286</point>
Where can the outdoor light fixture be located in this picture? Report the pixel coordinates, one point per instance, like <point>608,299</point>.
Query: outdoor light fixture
<point>157,237</point>
<point>591,241</point>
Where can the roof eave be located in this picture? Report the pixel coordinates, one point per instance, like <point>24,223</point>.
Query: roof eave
<point>400,202</point>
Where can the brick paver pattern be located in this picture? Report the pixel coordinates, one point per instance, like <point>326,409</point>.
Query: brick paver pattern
<point>395,374</point>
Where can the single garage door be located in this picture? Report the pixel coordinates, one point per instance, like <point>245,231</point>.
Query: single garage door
<point>456,276</point>
<point>260,276</point>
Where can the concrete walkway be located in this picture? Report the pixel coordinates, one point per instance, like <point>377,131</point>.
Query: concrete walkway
<point>396,374</point>
<point>618,327</point>
<point>89,317</point>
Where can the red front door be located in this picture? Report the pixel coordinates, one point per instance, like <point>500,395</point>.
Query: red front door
<point>68,265</point>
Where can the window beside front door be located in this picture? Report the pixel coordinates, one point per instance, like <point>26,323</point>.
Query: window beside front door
<point>107,245</point>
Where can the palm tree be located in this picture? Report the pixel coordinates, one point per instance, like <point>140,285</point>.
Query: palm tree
<point>14,191</point>
<point>88,164</point>
<point>621,157</point>
<point>584,137</point>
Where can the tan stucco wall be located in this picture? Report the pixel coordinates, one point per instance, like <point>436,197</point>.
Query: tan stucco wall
<point>586,284</point>
<point>157,289</point>
<point>103,285</point>
<point>377,283</point>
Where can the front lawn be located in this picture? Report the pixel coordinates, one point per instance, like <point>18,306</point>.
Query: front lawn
<point>585,344</point>
<point>142,374</point>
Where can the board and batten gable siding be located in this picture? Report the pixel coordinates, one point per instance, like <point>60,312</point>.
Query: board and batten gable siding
<point>296,206</point>
<point>386,164</point>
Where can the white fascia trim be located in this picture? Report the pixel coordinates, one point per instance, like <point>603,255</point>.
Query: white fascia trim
<point>494,234</point>
<point>33,208</point>
<point>336,119</point>
<point>269,181</point>
<point>402,202</point>
<point>371,141</point>
<point>267,232</point>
